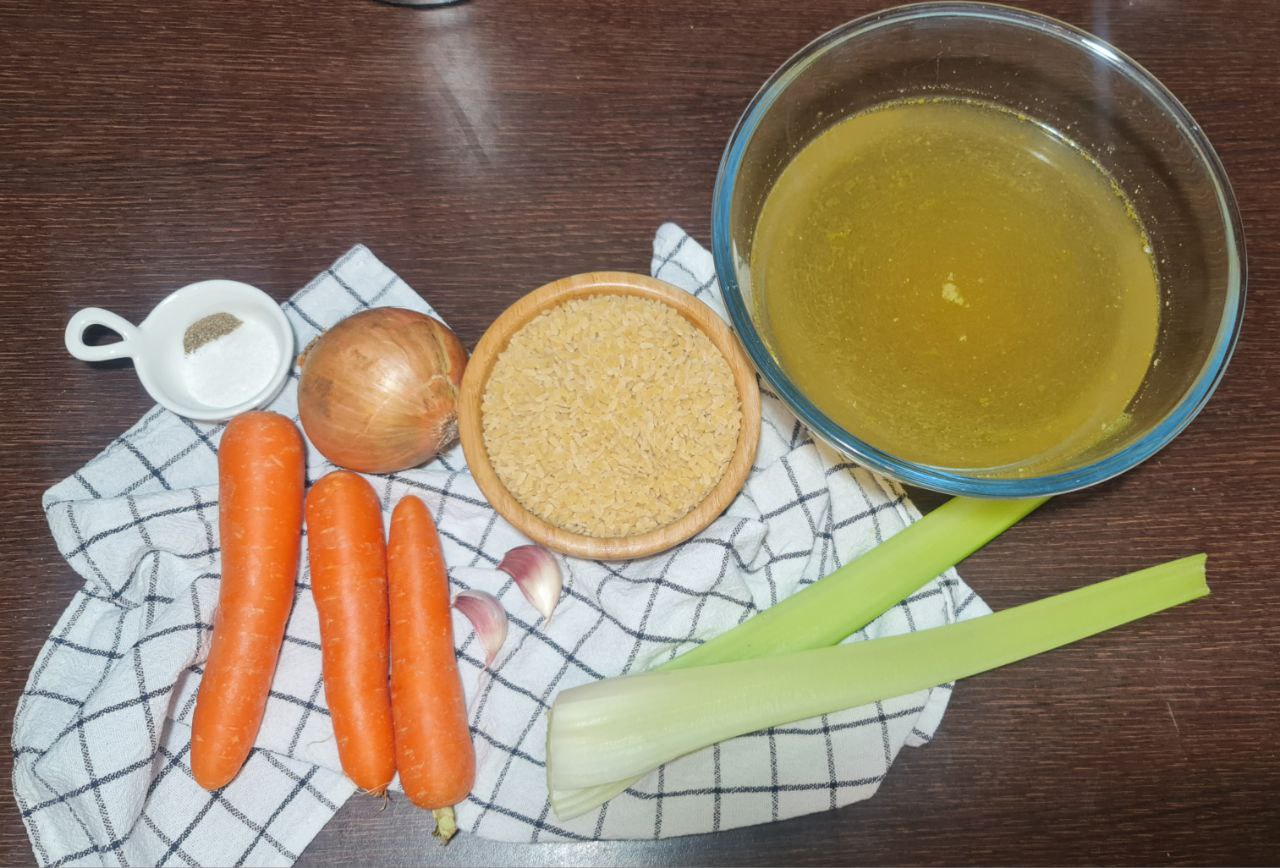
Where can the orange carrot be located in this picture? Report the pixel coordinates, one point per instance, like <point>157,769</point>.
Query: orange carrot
<point>260,481</point>
<point>349,583</point>
<point>434,753</point>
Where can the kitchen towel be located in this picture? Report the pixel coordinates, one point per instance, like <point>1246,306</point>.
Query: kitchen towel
<point>101,740</point>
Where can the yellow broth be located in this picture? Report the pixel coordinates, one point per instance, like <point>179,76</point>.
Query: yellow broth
<point>957,286</point>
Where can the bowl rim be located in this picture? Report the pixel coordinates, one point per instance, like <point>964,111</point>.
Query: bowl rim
<point>937,478</point>
<point>495,340</point>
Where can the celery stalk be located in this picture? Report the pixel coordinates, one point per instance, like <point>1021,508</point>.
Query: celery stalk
<point>601,733</point>
<point>853,596</point>
<point>842,603</point>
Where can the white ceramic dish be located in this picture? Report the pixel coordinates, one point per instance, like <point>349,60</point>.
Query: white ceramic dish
<point>164,366</point>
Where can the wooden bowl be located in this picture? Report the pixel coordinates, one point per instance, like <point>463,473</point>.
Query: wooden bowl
<point>495,340</point>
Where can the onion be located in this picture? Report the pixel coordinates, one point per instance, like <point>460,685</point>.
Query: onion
<point>379,391</point>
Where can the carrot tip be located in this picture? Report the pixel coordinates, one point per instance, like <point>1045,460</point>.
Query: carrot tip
<point>446,825</point>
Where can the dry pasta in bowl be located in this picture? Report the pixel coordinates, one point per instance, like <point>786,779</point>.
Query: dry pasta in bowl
<point>609,415</point>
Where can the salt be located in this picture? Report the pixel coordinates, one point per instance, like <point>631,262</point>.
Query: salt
<point>232,368</point>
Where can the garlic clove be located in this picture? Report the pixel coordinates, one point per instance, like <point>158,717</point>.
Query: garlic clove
<point>487,618</point>
<point>537,575</point>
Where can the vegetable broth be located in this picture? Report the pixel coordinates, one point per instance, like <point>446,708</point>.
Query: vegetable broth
<point>957,286</point>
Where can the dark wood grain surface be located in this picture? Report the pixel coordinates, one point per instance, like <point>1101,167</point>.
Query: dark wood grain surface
<point>486,148</point>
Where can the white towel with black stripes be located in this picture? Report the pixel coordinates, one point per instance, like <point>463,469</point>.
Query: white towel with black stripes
<point>101,738</point>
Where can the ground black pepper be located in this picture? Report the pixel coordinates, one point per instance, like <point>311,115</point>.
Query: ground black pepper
<point>209,328</point>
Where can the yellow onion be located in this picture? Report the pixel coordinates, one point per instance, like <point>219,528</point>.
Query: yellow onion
<point>379,391</point>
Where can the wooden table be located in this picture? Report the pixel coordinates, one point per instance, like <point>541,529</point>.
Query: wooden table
<point>484,149</point>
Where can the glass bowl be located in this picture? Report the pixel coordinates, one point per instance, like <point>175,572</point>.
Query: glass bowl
<point>1077,85</point>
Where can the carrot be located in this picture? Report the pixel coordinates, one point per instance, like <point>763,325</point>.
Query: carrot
<point>260,481</point>
<point>349,583</point>
<point>434,753</point>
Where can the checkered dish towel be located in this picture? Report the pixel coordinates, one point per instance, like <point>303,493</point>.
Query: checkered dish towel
<point>101,740</point>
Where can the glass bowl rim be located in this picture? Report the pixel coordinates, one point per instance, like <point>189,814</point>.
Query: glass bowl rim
<point>927,476</point>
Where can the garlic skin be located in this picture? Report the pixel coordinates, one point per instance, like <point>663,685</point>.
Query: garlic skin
<point>487,618</point>
<point>537,575</point>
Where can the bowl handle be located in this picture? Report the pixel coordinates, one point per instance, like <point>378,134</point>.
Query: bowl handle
<point>92,316</point>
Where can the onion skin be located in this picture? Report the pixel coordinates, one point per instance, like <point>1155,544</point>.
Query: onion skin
<point>378,392</point>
